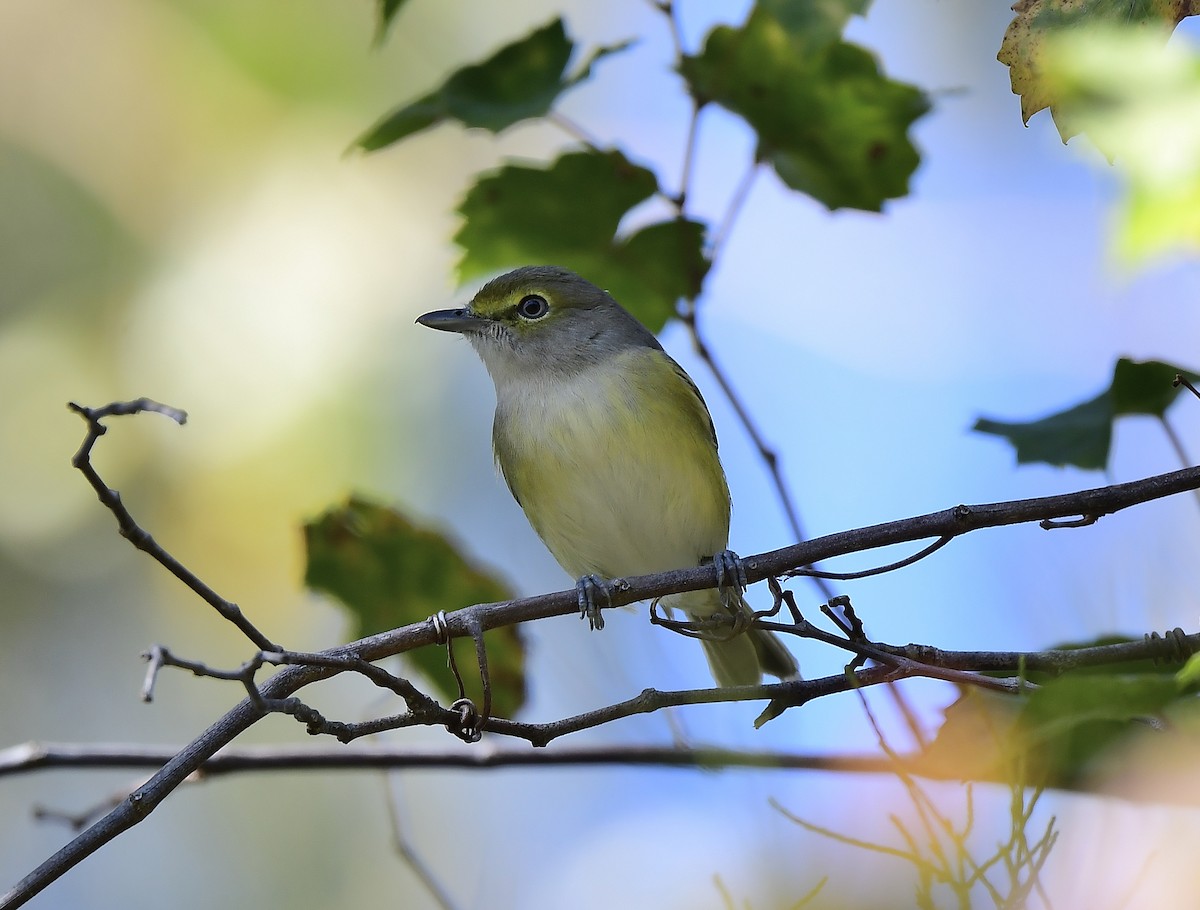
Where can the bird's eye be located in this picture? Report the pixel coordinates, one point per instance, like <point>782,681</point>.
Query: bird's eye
<point>533,307</point>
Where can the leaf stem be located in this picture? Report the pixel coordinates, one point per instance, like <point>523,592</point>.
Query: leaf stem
<point>736,203</point>
<point>574,130</point>
<point>1177,445</point>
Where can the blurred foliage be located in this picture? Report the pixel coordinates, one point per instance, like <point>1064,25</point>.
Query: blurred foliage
<point>1105,68</point>
<point>1082,434</point>
<point>826,119</point>
<point>1062,734</point>
<point>1189,676</point>
<point>1138,101</point>
<point>306,54</point>
<point>386,13</point>
<point>56,237</point>
<point>388,573</point>
<point>1031,54</point>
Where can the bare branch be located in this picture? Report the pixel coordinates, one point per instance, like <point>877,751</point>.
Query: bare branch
<point>33,757</point>
<point>130,529</point>
<point>948,523</point>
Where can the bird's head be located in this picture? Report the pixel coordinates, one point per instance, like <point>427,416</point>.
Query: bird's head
<point>539,320</point>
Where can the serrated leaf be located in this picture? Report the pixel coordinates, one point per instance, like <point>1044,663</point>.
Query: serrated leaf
<point>520,81</point>
<point>829,123</point>
<point>1082,435</point>
<point>388,572</point>
<point>520,213</point>
<point>1027,48</point>
<point>568,214</point>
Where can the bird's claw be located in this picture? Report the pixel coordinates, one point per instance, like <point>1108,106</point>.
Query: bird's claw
<point>731,578</point>
<point>590,590</point>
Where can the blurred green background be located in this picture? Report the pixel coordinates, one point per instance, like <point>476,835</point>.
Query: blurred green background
<point>177,219</point>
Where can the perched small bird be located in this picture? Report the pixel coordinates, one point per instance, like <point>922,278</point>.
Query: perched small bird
<point>608,447</point>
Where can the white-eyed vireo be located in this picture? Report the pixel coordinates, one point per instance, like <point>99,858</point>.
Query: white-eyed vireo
<point>607,445</point>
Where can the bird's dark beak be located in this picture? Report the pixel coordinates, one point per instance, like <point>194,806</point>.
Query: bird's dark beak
<point>453,321</point>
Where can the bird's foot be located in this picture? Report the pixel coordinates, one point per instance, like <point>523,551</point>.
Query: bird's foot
<point>591,590</point>
<point>731,579</point>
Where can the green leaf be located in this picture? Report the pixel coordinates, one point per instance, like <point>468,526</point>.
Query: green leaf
<point>828,122</point>
<point>520,81</point>
<point>520,214</point>
<point>1188,678</point>
<point>568,214</point>
<point>389,572</point>
<point>1054,736</point>
<point>1069,723</point>
<point>1082,435</point>
<point>654,268</point>
<point>1079,436</point>
<point>1146,387</point>
<point>815,24</point>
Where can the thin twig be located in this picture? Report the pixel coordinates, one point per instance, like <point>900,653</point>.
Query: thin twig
<point>842,838</point>
<point>952,522</point>
<point>130,528</point>
<point>737,202</point>
<point>575,130</point>
<point>1177,445</point>
<point>33,757</point>
<point>672,13</point>
<point>404,846</point>
<point>689,155</point>
<point>878,570</point>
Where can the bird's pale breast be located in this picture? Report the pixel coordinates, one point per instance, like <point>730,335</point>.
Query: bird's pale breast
<point>615,466</point>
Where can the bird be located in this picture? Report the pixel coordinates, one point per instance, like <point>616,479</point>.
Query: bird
<point>608,447</point>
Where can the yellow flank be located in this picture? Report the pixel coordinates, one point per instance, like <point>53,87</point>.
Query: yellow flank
<point>615,466</point>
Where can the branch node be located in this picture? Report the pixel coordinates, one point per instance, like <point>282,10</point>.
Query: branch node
<point>1181,380</point>
<point>847,620</point>
<point>155,659</point>
<point>468,726</point>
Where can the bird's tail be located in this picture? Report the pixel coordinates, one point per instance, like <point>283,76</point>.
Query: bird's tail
<point>742,659</point>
